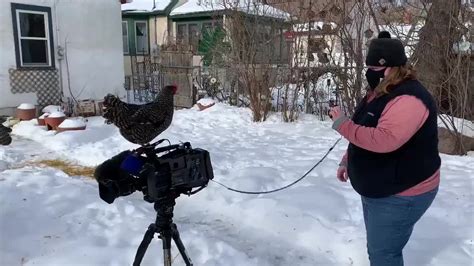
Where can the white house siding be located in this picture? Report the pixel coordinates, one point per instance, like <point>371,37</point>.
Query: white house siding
<point>161,29</point>
<point>91,31</point>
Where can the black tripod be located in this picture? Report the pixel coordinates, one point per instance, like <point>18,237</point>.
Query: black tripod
<point>166,229</point>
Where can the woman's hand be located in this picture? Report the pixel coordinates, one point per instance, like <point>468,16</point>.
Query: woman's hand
<point>342,173</point>
<point>335,113</point>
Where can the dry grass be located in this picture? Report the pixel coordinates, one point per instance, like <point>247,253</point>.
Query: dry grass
<point>67,167</point>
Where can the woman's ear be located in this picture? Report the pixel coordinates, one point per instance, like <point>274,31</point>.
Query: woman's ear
<point>387,71</point>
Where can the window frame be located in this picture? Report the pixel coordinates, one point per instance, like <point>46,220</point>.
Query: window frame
<point>135,22</point>
<point>16,9</point>
<point>200,25</point>
<point>184,36</point>
<point>128,38</point>
<point>198,33</point>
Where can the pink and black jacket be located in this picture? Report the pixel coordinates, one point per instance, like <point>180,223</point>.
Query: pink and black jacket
<point>393,142</point>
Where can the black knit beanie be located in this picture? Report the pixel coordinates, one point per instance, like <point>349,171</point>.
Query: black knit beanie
<point>385,51</point>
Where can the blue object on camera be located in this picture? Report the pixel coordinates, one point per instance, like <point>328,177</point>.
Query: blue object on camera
<point>132,164</point>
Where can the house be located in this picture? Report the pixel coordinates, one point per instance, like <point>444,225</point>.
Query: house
<point>195,17</point>
<point>161,43</point>
<point>57,49</point>
<point>145,27</point>
<point>149,24</point>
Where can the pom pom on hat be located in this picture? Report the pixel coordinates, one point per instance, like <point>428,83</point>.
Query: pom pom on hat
<point>384,34</point>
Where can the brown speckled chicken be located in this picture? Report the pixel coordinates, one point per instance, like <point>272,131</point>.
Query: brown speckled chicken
<point>140,124</point>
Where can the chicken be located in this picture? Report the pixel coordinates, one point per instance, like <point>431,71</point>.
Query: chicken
<point>141,124</point>
<point>5,138</point>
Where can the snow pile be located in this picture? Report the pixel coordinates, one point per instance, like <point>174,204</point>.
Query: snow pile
<point>289,92</point>
<point>99,140</point>
<point>206,101</point>
<point>26,106</point>
<point>57,114</point>
<point>48,218</point>
<point>321,93</point>
<point>52,108</point>
<point>73,123</point>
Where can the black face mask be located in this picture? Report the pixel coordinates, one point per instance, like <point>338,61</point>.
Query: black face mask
<point>374,77</point>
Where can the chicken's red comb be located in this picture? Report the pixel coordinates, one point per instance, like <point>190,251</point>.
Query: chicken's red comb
<point>174,87</point>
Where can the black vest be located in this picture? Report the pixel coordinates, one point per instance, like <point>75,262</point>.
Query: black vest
<point>379,175</point>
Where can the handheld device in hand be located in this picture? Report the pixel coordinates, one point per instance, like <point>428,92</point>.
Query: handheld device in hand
<point>332,104</point>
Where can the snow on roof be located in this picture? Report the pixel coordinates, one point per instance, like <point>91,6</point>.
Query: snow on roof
<point>192,6</point>
<point>145,5</point>
<point>248,6</point>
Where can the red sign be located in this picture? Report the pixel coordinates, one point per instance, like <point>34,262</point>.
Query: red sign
<point>289,35</point>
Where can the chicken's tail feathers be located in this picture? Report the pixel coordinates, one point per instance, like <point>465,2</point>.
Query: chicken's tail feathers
<point>110,108</point>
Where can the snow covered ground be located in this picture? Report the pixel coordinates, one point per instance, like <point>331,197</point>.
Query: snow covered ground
<point>48,218</point>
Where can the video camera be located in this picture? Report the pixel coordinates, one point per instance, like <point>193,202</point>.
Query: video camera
<point>155,171</point>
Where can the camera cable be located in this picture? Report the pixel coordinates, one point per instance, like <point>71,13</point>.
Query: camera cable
<point>287,186</point>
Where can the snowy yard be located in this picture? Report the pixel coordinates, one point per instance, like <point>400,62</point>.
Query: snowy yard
<point>49,218</point>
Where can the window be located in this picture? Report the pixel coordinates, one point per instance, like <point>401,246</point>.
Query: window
<point>181,32</point>
<point>207,27</point>
<point>141,37</point>
<point>126,47</point>
<point>193,33</point>
<point>32,31</point>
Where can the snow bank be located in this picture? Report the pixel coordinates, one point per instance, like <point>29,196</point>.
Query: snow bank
<point>49,218</point>
<point>324,93</point>
<point>99,140</point>
<point>73,123</point>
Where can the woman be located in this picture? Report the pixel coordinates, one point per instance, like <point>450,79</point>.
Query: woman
<point>392,160</point>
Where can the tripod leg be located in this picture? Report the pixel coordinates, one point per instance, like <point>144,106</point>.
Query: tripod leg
<point>165,236</point>
<point>144,244</point>
<point>180,245</point>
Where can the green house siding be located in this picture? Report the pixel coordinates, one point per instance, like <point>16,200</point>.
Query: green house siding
<point>278,48</point>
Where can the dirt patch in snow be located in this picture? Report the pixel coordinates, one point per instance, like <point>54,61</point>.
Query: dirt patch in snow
<point>69,168</point>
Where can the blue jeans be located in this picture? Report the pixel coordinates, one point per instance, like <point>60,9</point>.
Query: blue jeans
<point>389,223</point>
